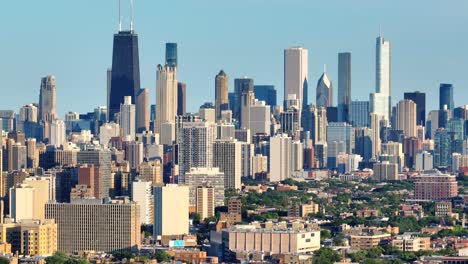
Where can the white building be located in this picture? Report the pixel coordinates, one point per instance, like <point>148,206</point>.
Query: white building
<point>166,96</point>
<point>296,68</point>
<point>108,131</point>
<point>383,72</point>
<point>378,103</point>
<point>142,195</point>
<point>58,135</point>
<point>205,177</point>
<point>280,158</point>
<point>260,119</point>
<point>128,119</point>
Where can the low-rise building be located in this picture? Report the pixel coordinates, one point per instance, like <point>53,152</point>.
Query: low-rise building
<point>411,242</point>
<point>365,238</point>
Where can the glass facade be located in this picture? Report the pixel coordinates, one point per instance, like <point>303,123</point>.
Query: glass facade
<point>446,96</point>
<point>171,54</point>
<point>420,100</point>
<point>266,93</point>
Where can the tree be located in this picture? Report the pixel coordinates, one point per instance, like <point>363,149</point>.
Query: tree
<point>326,256</point>
<point>162,256</point>
<point>4,260</point>
<point>325,234</point>
<point>61,258</point>
<point>196,217</point>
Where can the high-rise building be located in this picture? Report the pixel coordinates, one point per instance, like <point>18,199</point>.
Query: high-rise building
<point>385,171</point>
<point>363,142</point>
<point>227,155</point>
<point>205,205</point>
<point>442,148</point>
<point>93,225</point>
<point>125,74</point>
<point>47,99</point>
<point>166,96</point>
<point>424,161</point>
<point>142,110</point>
<point>341,132</point>
<point>266,93</point>
<point>142,194</point>
<point>195,145</point>
<point>383,73</point>
<point>167,221</point>
<point>7,120</point>
<point>171,54</point>
<point>280,158</point>
<point>28,113</point>
<point>247,100</point>
<point>134,154</point>
<point>296,69</point>
<point>127,119</point>
<point>375,120</point>
<point>358,114</point>
<point>344,86</point>
<point>181,98</point>
<point>205,177</point>
<point>57,133</point>
<point>324,91</point>
<point>260,119</point>
<point>420,100</point>
<point>101,158</point>
<point>241,86</point>
<point>221,93</point>
<point>22,205</point>
<point>378,103</point>
<point>406,118</point>
<point>446,96</point>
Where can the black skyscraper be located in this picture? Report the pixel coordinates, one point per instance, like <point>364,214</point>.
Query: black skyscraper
<point>171,54</point>
<point>420,100</point>
<point>181,98</point>
<point>125,80</point>
<point>446,96</point>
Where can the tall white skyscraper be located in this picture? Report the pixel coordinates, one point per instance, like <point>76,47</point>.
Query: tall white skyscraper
<point>57,133</point>
<point>383,71</point>
<point>280,158</point>
<point>142,195</point>
<point>166,96</point>
<point>296,68</point>
<point>378,103</point>
<point>127,119</point>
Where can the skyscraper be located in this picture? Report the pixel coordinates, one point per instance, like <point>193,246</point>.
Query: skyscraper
<point>296,69</point>
<point>281,160</point>
<point>47,99</point>
<point>221,93</point>
<point>127,119</point>
<point>383,71</point>
<point>167,221</point>
<point>166,96</point>
<point>171,54</point>
<point>420,100</point>
<point>358,114</point>
<point>181,98</point>
<point>378,103</point>
<point>406,118</point>
<point>266,93</point>
<point>446,96</point>
<point>324,91</point>
<point>142,110</point>
<point>241,85</point>
<point>125,79</point>
<point>227,157</point>
<point>344,86</point>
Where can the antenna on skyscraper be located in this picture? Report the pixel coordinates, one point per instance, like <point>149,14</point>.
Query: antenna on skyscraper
<point>324,68</point>
<point>131,22</point>
<point>120,19</point>
<point>380,30</point>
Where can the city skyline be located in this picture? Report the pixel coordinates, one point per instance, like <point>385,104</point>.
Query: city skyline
<point>75,82</point>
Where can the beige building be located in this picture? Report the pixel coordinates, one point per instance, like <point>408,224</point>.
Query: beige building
<point>406,118</point>
<point>221,93</point>
<point>22,204</point>
<point>275,239</point>
<point>385,171</point>
<point>30,237</point>
<point>44,191</point>
<point>205,205</point>
<point>368,238</point>
<point>411,242</point>
<point>91,225</point>
<point>151,171</point>
<point>171,211</point>
<point>205,177</point>
<point>227,156</point>
<point>166,96</point>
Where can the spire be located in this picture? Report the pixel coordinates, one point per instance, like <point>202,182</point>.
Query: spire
<point>380,30</point>
<point>324,68</point>
<point>131,21</point>
<point>120,19</point>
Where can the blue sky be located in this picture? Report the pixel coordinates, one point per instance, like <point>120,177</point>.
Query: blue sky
<point>73,40</point>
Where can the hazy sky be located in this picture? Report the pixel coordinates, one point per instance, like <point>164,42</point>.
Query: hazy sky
<point>73,40</point>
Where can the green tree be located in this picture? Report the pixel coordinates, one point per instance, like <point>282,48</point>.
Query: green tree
<point>325,234</point>
<point>326,256</point>
<point>4,260</point>
<point>162,256</point>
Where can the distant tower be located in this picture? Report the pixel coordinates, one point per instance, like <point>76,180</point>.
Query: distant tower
<point>420,100</point>
<point>383,71</point>
<point>166,96</point>
<point>221,93</point>
<point>296,68</point>
<point>406,118</point>
<point>446,96</point>
<point>127,119</point>
<point>125,74</point>
<point>171,54</point>
<point>47,99</point>
<point>324,91</point>
<point>344,86</point>
<point>181,98</point>
<point>142,110</point>
<point>241,86</point>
